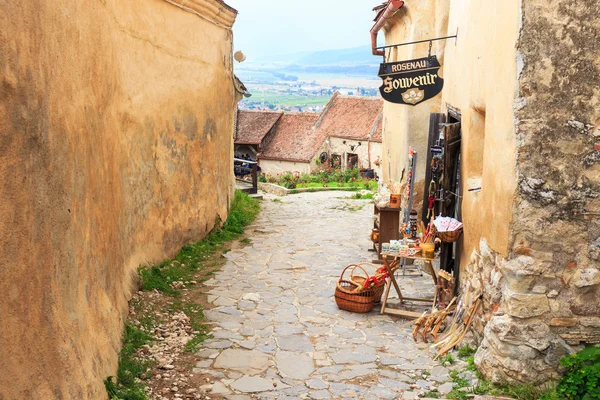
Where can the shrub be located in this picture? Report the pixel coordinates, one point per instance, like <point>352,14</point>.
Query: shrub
<point>581,379</point>
<point>289,180</point>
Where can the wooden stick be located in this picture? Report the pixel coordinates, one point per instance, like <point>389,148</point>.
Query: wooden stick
<point>412,321</point>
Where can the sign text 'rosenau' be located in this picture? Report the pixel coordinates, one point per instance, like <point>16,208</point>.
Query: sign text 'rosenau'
<point>412,81</point>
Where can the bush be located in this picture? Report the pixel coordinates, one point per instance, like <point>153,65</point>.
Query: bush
<point>581,378</point>
<point>326,177</point>
<point>289,180</point>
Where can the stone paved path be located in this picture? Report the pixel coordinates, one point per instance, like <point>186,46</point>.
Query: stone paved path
<point>277,332</point>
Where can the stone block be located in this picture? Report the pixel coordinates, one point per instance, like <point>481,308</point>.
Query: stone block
<point>519,273</point>
<point>593,322</point>
<point>514,331</point>
<point>586,277</point>
<point>563,322</point>
<point>558,349</point>
<point>245,361</point>
<point>525,305</point>
<point>500,368</point>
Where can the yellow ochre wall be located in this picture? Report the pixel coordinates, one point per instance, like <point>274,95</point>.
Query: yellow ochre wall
<point>116,144</point>
<point>480,79</point>
<point>407,126</point>
<point>479,72</point>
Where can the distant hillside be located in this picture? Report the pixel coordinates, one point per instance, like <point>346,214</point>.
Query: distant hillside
<point>354,56</point>
<point>357,55</point>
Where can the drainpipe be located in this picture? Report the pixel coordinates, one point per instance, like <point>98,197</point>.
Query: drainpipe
<point>392,7</point>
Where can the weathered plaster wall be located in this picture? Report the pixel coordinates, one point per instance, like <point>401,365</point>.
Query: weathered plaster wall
<point>367,153</point>
<point>480,81</point>
<point>376,154</point>
<point>552,280</point>
<point>408,126</point>
<point>116,138</point>
<point>277,167</point>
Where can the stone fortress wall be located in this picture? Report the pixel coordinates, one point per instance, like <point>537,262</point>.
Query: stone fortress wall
<point>116,144</point>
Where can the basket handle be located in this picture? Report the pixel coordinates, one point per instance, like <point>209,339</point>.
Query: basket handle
<point>343,272</point>
<point>360,268</point>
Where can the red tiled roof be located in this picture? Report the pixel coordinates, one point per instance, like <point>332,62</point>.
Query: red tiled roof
<point>350,117</point>
<point>294,139</point>
<point>252,126</point>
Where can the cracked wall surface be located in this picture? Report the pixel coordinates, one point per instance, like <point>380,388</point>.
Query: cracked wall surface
<point>116,143</point>
<point>551,290</point>
<point>524,75</point>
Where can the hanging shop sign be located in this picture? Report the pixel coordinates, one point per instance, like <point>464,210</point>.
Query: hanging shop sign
<point>410,82</point>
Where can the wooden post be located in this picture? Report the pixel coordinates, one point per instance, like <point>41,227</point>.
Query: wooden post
<point>254,179</point>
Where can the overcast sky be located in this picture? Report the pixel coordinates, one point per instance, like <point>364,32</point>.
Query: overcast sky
<point>285,27</point>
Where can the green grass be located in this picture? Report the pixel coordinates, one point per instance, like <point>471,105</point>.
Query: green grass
<point>448,359</point>
<point>131,368</point>
<point>350,185</point>
<point>358,196</point>
<point>127,385</point>
<point>246,240</point>
<point>186,263</point>
<point>432,395</point>
<point>284,99</point>
<point>466,351</point>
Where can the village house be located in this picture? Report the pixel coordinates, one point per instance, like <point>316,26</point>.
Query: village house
<point>252,131</point>
<point>352,126</point>
<point>519,119</point>
<point>293,144</point>
<point>346,134</point>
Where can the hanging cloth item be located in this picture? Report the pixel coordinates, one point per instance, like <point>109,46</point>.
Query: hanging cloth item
<point>431,198</point>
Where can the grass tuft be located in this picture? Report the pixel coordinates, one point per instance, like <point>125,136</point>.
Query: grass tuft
<point>186,263</point>
<point>448,360</point>
<point>128,385</point>
<point>462,391</point>
<point>358,196</point>
<point>466,351</point>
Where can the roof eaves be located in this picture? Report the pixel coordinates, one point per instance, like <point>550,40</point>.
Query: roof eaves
<point>283,159</point>
<point>215,11</point>
<point>376,124</point>
<point>326,109</point>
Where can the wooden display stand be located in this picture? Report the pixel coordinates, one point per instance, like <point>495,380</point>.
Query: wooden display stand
<point>389,228</point>
<point>404,313</point>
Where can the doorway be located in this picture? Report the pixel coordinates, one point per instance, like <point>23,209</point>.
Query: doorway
<point>443,180</point>
<point>351,160</point>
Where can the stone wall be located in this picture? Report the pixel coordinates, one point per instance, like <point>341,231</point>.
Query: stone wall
<point>368,152</point>
<point>275,167</point>
<point>551,290</point>
<point>116,127</point>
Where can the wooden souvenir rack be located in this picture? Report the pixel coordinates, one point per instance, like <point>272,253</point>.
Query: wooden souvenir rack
<point>428,268</point>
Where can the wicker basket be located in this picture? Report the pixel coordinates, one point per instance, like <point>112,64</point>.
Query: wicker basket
<point>351,296</point>
<point>360,280</point>
<point>449,236</point>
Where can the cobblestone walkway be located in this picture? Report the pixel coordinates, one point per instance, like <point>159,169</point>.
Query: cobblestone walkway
<point>277,332</point>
